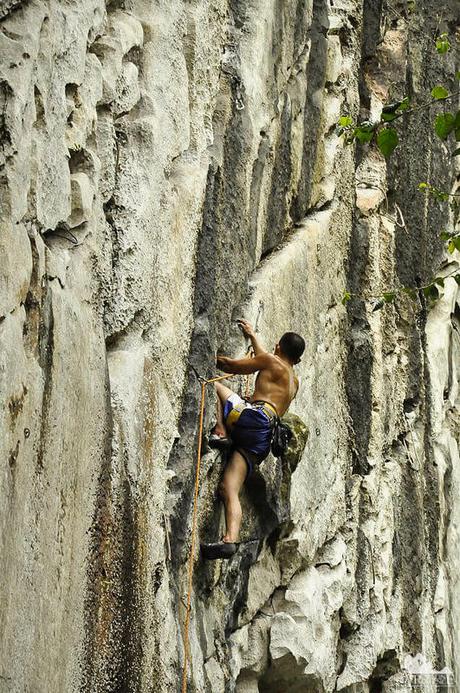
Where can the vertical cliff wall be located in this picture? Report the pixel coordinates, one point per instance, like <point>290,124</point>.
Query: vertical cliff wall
<point>165,168</point>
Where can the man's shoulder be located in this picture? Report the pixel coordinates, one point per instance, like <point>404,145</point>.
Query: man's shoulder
<point>274,360</point>
<point>264,361</point>
<point>278,365</point>
<point>269,362</point>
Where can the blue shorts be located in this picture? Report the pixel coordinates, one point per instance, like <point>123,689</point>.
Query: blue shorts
<point>250,428</point>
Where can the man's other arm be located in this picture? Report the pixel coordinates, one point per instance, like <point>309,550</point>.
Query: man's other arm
<point>246,365</point>
<point>248,331</point>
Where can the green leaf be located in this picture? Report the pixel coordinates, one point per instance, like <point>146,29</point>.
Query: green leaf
<point>456,152</point>
<point>363,136</point>
<point>456,242</point>
<point>431,291</point>
<point>365,132</point>
<point>388,117</point>
<point>346,297</point>
<point>388,296</point>
<point>439,281</point>
<point>457,126</point>
<point>394,110</point>
<point>444,124</point>
<point>442,44</point>
<point>451,246</point>
<point>404,105</point>
<point>387,141</point>
<point>439,93</point>
<point>440,194</point>
<point>411,292</point>
<point>457,75</point>
<point>345,121</point>
<point>445,235</point>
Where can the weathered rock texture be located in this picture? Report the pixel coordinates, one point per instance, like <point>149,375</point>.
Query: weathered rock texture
<point>168,166</point>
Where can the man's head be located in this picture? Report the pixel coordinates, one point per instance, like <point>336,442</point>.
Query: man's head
<point>291,345</point>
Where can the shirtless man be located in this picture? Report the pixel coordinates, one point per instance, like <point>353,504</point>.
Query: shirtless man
<point>249,423</point>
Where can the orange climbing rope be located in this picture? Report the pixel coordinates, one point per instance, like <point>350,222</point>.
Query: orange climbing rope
<point>194,516</point>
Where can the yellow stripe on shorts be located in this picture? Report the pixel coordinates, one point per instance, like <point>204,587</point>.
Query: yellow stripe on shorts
<point>233,415</point>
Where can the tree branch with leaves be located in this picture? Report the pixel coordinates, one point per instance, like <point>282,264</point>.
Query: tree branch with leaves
<point>383,134</point>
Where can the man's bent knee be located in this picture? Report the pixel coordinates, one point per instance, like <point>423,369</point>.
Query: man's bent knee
<point>223,391</point>
<point>227,489</point>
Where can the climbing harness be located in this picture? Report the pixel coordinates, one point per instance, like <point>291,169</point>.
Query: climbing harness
<point>204,382</point>
<point>281,436</point>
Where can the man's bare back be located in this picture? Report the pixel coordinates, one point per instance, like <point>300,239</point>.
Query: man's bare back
<point>276,382</point>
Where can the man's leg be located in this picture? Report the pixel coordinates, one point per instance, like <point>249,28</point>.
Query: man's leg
<point>230,487</point>
<point>223,393</point>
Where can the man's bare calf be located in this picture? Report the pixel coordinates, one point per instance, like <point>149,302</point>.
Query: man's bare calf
<point>229,489</point>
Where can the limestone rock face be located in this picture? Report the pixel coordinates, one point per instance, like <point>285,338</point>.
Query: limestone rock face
<point>168,167</point>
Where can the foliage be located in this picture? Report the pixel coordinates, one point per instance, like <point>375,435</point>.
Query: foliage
<point>387,140</point>
<point>443,44</point>
<point>430,291</point>
<point>446,126</point>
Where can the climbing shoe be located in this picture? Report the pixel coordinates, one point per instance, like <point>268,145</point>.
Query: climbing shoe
<point>219,442</point>
<point>220,549</point>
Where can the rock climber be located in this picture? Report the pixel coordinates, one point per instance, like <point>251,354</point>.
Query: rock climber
<point>245,426</point>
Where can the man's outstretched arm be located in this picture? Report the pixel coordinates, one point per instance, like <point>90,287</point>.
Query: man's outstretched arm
<point>246,365</point>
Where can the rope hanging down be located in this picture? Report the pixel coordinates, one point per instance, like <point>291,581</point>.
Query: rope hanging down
<point>194,516</point>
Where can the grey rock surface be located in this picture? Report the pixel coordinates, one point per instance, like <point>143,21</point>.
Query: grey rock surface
<point>168,167</point>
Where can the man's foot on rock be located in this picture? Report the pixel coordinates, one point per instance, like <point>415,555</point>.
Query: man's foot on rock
<point>220,442</point>
<point>220,549</point>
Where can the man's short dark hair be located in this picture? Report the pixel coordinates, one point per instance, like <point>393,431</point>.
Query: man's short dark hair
<point>292,345</point>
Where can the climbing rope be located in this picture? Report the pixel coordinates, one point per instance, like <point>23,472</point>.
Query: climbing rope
<point>194,517</point>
